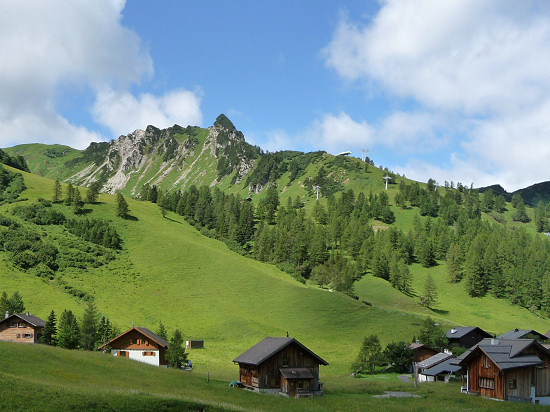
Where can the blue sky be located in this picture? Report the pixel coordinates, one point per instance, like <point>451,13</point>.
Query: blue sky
<point>455,90</point>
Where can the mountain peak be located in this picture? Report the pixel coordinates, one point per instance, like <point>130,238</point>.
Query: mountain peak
<point>223,122</point>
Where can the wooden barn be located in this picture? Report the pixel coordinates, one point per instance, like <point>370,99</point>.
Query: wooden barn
<point>466,336</point>
<point>421,352</point>
<point>139,344</point>
<point>281,365</point>
<point>22,328</point>
<point>508,369</point>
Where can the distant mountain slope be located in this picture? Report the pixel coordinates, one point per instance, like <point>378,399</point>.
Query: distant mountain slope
<point>531,195</point>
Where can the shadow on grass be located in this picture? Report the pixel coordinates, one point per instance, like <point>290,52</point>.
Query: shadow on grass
<point>172,220</point>
<point>131,217</point>
<point>439,311</point>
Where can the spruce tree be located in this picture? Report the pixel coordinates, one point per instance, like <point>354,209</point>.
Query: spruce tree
<point>49,333</point>
<point>88,327</point>
<point>69,194</point>
<point>15,303</point>
<point>454,263</point>
<point>56,191</point>
<point>175,355</point>
<point>161,331</point>
<point>92,193</point>
<point>68,332</point>
<point>77,201</point>
<point>121,206</point>
<point>4,304</point>
<point>429,294</point>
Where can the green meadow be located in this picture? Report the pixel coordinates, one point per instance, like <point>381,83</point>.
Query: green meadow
<point>167,271</point>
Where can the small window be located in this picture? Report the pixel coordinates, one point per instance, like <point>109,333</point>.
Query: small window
<point>27,335</point>
<point>485,361</point>
<point>149,354</point>
<point>13,324</point>
<point>134,341</point>
<point>18,335</point>
<point>286,362</point>
<point>513,384</point>
<point>21,325</point>
<point>487,383</point>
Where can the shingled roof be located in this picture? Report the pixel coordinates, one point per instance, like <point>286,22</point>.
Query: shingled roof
<point>520,333</point>
<point>26,317</point>
<point>267,347</point>
<point>459,331</point>
<point>144,331</point>
<point>505,353</point>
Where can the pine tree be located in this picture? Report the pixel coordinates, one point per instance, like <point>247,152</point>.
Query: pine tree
<point>161,331</point>
<point>476,283</point>
<point>121,206</point>
<point>105,332</point>
<point>15,303</point>
<point>92,193</point>
<point>175,355</point>
<point>88,327</point>
<point>4,304</point>
<point>454,263</point>
<point>429,294</point>
<point>69,194</point>
<point>77,201</point>
<point>68,332</point>
<point>56,191</point>
<point>49,333</point>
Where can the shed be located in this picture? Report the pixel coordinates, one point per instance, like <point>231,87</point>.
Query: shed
<point>22,328</point>
<point>466,336</point>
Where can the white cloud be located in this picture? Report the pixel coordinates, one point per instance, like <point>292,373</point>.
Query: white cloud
<point>48,48</point>
<point>122,113</point>
<point>338,133</point>
<point>478,65</point>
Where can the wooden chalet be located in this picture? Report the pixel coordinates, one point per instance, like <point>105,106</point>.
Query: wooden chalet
<point>466,337</point>
<point>281,365</point>
<point>508,369</point>
<point>437,368</point>
<point>524,334</point>
<point>22,328</point>
<point>139,344</point>
<point>421,352</point>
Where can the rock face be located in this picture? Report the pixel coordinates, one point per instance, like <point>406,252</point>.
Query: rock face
<point>173,158</point>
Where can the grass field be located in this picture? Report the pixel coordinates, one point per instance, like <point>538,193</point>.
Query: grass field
<point>168,271</point>
<point>41,378</point>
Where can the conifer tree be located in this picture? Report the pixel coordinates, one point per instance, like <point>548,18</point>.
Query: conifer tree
<point>175,355</point>
<point>49,333</point>
<point>15,303</point>
<point>454,263</point>
<point>89,326</point>
<point>69,194</point>
<point>161,331</point>
<point>369,355</point>
<point>105,332</point>
<point>56,191</point>
<point>476,284</point>
<point>68,332</point>
<point>92,193</point>
<point>77,201</point>
<point>429,294</point>
<point>121,206</point>
<point>4,304</point>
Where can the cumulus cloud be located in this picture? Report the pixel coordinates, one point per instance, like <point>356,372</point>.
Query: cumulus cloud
<point>121,112</point>
<point>477,62</point>
<point>69,44</point>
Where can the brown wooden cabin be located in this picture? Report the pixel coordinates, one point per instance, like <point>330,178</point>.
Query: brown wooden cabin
<point>509,369</point>
<point>421,352</point>
<point>466,336</point>
<point>22,328</point>
<point>139,344</point>
<point>281,365</point>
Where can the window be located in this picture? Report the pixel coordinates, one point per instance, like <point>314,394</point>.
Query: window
<point>18,335</point>
<point>513,384</point>
<point>134,341</point>
<point>21,325</point>
<point>27,335</point>
<point>286,362</point>
<point>13,324</point>
<point>485,361</point>
<point>148,354</point>
<point>487,383</point>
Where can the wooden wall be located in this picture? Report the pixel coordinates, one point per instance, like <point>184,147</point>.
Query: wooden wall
<point>134,340</point>
<point>17,333</point>
<point>477,370</point>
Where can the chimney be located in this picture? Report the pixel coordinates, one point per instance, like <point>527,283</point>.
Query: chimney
<point>6,315</point>
<point>27,313</point>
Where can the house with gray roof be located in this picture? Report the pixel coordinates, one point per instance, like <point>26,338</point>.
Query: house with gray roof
<point>437,367</point>
<point>524,334</point>
<point>508,369</point>
<point>21,327</point>
<point>465,336</point>
<point>139,344</point>
<point>281,366</point>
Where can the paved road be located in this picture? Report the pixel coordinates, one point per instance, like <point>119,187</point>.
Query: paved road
<point>405,378</point>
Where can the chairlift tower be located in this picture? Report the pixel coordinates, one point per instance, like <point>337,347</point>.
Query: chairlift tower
<point>386,178</point>
<point>317,190</point>
<point>365,151</point>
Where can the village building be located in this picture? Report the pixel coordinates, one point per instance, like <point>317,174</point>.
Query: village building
<point>508,369</point>
<point>22,328</point>
<point>281,366</point>
<point>438,367</point>
<point>466,336</point>
<point>524,334</point>
<point>139,344</point>
<point>421,351</point>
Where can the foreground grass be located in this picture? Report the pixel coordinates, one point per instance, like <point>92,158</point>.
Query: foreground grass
<point>41,378</point>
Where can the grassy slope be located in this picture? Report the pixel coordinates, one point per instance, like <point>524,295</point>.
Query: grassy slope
<point>41,378</point>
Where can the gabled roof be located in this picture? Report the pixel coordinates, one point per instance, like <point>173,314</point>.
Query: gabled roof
<point>505,353</point>
<point>27,317</point>
<point>460,331</point>
<point>267,347</point>
<point>434,360</point>
<point>414,346</point>
<point>443,367</point>
<point>520,333</point>
<point>144,331</point>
